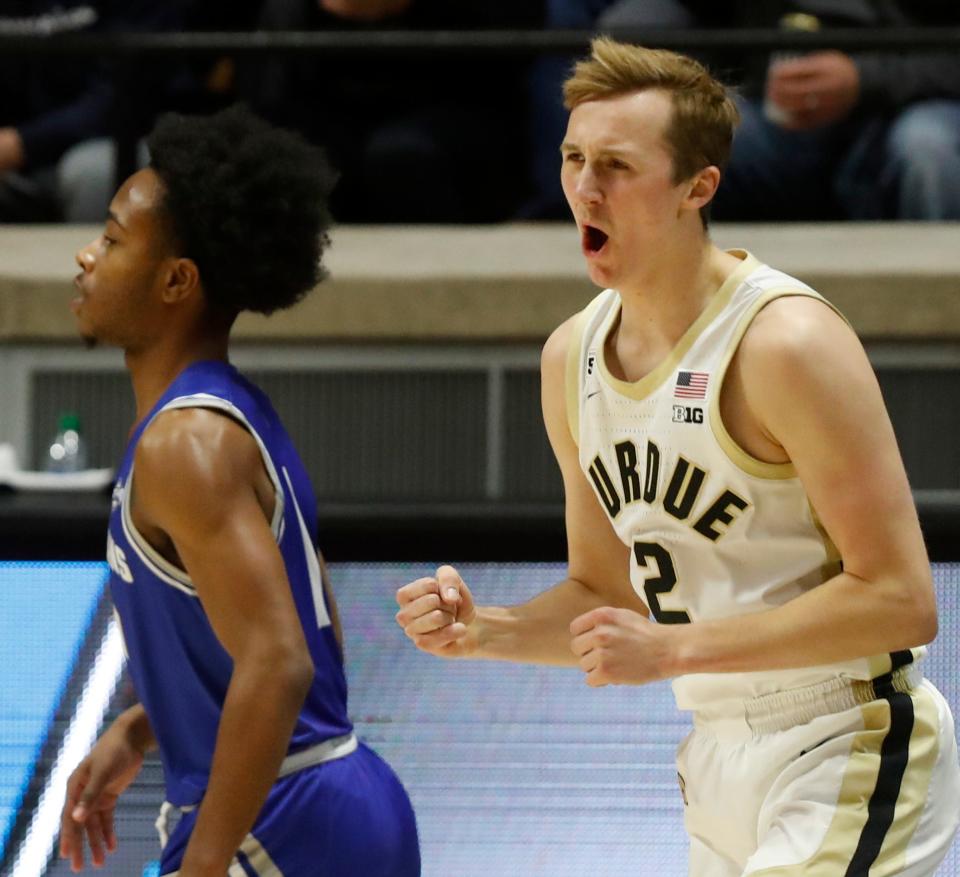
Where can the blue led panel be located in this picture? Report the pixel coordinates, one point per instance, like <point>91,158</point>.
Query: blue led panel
<point>46,610</point>
<point>514,771</point>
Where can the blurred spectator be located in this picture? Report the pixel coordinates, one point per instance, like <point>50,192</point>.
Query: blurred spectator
<point>51,105</point>
<point>547,119</point>
<point>417,138</point>
<point>867,135</point>
<point>203,85</point>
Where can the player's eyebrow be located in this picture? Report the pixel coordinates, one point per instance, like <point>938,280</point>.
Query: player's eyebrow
<point>113,216</point>
<point>616,151</point>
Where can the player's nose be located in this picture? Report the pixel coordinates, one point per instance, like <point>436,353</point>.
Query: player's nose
<point>84,256</point>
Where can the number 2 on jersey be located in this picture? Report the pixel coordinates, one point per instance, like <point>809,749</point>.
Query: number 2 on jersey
<point>663,582</point>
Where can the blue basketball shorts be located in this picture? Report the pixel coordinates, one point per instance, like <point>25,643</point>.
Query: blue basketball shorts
<point>343,818</point>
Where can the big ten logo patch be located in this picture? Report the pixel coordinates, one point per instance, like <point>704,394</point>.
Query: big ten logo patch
<point>687,414</point>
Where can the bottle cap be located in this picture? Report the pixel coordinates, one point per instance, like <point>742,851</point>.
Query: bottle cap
<point>69,420</point>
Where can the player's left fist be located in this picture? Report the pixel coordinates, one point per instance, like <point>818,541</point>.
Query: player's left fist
<point>620,647</point>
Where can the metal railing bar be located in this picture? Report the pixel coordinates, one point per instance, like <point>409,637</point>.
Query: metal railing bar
<point>522,42</point>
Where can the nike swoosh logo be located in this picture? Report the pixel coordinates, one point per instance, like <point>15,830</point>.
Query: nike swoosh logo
<point>591,395</point>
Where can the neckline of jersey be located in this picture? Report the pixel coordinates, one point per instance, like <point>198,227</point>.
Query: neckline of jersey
<point>650,382</point>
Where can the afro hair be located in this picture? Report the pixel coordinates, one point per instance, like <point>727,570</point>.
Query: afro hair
<point>248,203</point>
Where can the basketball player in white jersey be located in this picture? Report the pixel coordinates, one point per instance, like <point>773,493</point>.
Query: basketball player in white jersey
<point>738,516</point>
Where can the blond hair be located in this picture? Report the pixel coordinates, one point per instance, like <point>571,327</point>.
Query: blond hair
<point>700,131</point>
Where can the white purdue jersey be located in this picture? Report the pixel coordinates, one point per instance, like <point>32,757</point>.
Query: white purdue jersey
<point>712,531</point>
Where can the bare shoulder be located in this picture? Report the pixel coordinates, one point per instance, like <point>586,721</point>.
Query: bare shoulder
<point>553,386</point>
<point>195,449</point>
<point>808,383</point>
<point>553,358</point>
<point>795,324</point>
<point>794,336</point>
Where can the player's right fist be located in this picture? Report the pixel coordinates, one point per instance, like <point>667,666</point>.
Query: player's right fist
<point>437,613</point>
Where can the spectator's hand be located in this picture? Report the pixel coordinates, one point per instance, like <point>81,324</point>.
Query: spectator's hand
<point>365,10</point>
<point>621,647</point>
<point>814,90</point>
<point>11,150</point>
<point>92,792</point>
<point>437,614</point>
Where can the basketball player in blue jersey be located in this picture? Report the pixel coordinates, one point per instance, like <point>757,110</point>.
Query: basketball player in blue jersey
<point>731,473</point>
<point>230,631</point>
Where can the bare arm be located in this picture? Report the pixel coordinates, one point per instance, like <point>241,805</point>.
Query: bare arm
<point>833,426</point>
<point>97,783</point>
<point>212,514</point>
<point>536,631</point>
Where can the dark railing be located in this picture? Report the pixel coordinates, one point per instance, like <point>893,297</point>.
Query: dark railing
<point>130,50</point>
<point>527,42</point>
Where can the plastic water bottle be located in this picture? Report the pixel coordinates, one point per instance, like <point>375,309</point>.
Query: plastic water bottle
<point>68,452</point>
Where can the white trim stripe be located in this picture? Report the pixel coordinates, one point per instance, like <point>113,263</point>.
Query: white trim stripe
<point>205,400</point>
<point>151,558</point>
<point>258,858</point>
<point>313,565</point>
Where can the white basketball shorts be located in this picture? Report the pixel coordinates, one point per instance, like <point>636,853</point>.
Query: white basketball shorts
<point>870,787</point>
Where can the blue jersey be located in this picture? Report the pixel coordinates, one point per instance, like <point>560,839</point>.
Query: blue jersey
<point>179,668</point>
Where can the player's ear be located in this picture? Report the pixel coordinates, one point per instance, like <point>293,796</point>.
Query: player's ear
<point>182,279</point>
<point>701,187</point>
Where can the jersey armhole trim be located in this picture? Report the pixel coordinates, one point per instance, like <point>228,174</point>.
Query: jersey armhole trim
<point>161,567</point>
<point>204,400</point>
<point>584,323</point>
<point>572,375</point>
<point>833,562</point>
<point>743,460</point>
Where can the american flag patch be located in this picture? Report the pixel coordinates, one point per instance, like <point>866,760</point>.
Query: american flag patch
<point>691,385</point>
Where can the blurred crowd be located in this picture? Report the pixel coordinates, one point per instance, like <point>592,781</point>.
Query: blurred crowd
<point>443,137</point>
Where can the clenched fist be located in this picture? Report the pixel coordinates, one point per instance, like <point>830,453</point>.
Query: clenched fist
<point>438,614</point>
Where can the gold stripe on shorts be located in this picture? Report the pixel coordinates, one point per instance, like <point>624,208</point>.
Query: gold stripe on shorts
<point>852,817</point>
<point>924,750</point>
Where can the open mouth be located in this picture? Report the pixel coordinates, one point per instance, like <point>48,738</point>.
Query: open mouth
<point>79,294</point>
<point>594,239</point>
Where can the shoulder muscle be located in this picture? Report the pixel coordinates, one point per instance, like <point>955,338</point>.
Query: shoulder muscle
<point>188,460</point>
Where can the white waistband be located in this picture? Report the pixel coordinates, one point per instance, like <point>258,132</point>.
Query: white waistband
<point>328,750</point>
<point>796,706</point>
